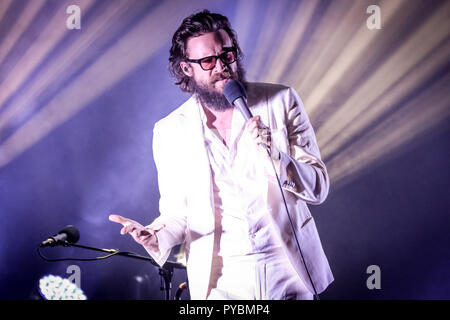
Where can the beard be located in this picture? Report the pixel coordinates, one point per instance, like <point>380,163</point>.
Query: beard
<point>212,99</point>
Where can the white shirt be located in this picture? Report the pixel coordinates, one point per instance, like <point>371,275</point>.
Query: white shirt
<point>239,180</point>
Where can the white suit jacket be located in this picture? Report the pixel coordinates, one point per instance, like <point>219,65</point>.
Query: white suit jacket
<point>187,204</point>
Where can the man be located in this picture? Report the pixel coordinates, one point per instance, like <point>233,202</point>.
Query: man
<point>219,193</point>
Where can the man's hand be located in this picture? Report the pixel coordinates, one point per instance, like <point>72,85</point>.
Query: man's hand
<point>261,135</point>
<point>140,234</point>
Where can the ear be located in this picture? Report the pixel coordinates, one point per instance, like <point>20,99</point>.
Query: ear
<point>186,68</point>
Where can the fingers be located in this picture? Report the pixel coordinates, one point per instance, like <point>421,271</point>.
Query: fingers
<point>131,226</point>
<point>128,229</point>
<point>259,133</point>
<point>128,224</point>
<point>139,233</point>
<point>142,235</point>
<point>252,126</point>
<point>118,219</point>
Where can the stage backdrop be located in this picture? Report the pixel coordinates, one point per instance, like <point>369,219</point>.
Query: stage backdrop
<point>82,83</point>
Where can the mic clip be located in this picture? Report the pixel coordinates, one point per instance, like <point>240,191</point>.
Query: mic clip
<point>52,242</point>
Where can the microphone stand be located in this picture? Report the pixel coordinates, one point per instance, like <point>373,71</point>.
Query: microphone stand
<point>165,271</point>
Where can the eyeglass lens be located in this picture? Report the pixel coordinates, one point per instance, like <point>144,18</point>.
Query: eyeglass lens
<point>209,63</point>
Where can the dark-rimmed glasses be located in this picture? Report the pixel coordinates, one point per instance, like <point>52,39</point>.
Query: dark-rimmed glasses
<point>228,56</point>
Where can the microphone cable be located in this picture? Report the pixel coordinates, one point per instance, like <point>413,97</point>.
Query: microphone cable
<point>113,252</point>
<point>316,295</point>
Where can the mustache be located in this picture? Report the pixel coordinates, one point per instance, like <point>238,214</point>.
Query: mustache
<point>226,74</point>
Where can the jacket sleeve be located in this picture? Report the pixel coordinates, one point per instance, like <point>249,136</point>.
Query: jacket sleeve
<point>302,171</point>
<point>171,224</point>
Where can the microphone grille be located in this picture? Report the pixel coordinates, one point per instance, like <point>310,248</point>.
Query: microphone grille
<point>233,89</point>
<point>73,235</point>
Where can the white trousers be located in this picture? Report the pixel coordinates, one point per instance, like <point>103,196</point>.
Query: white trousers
<point>256,277</point>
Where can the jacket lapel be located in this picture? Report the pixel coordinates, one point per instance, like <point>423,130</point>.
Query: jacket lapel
<point>198,167</point>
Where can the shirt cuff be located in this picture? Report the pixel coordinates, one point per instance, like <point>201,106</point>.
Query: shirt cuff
<point>159,248</point>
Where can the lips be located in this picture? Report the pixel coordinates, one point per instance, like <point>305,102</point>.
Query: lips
<point>221,83</point>
<point>221,80</point>
<point>226,75</point>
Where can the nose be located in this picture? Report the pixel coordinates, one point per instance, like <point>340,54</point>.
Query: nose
<point>219,67</point>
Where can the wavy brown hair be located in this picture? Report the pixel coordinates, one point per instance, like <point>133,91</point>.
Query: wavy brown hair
<point>193,26</point>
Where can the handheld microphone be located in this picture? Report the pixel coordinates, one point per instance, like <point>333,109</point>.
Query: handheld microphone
<point>235,93</point>
<point>68,234</point>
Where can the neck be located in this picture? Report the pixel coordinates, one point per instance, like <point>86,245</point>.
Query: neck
<point>220,122</point>
<point>218,118</point>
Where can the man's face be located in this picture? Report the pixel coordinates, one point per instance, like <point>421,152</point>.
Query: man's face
<point>210,44</point>
<point>208,84</point>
